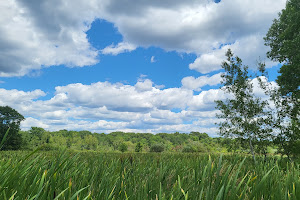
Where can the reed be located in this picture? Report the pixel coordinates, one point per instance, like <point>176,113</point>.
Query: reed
<point>66,175</point>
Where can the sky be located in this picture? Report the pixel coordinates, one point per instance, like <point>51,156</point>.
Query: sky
<point>132,65</point>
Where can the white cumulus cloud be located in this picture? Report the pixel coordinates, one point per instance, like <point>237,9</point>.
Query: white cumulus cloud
<point>201,27</point>
<point>42,33</point>
<point>196,83</point>
<point>106,107</point>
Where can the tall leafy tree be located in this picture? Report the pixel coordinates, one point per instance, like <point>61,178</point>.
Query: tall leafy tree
<point>283,38</point>
<point>138,147</point>
<point>10,118</point>
<point>245,114</point>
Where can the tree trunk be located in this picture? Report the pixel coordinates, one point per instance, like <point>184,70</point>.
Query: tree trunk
<point>265,154</point>
<point>251,147</point>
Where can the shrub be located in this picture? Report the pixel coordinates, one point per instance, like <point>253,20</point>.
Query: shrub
<point>138,147</point>
<point>157,148</point>
<point>188,149</point>
<point>123,147</point>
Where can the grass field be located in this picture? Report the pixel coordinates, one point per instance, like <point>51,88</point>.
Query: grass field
<point>66,175</point>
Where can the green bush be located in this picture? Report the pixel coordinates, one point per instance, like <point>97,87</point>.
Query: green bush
<point>138,147</point>
<point>202,148</point>
<point>157,148</point>
<point>188,149</point>
<point>123,147</point>
<point>48,147</point>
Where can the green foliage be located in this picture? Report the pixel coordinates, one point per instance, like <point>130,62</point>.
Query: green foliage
<point>123,147</point>
<point>138,147</point>
<point>136,142</point>
<point>188,149</point>
<point>201,147</point>
<point>288,140</point>
<point>289,82</point>
<point>37,131</point>
<point>65,175</point>
<point>4,138</point>
<point>10,119</point>
<point>200,136</point>
<point>284,35</point>
<point>49,147</point>
<point>158,147</point>
<point>245,114</point>
<point>34,137</point>
<point>232,145</point>
<point>283,38</point>
<point>90,143</point>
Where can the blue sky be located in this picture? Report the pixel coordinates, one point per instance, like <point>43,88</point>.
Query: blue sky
<point>137,66</point>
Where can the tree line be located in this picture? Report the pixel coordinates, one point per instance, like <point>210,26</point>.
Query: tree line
<point>37,137</point>
<point>119,141</point>
<point>15,139</point>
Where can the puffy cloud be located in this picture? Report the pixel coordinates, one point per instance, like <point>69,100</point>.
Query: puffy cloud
<point>116,97</point>
<point>20,100</point>
<point>210,122</point>
<point>192,114</point>
<point>186,128</point>
<point>196,83</point>
<point>44,33</point>
<point>144,85</point>
<point>171,98</point>
<point>102,113</point>
<point>202,27</point>
<point>119,48</point>
<point>106,107</point>
<point>16,96</point>
<point>205,101</point>
<point>124,98</point>
<point>208,62</point>
<point>32,122</point>
<point>250,49</point>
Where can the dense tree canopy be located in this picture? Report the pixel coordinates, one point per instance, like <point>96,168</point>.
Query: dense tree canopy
<point>121,141</point>
<point>283,38</point>
<point>284,35</point>
<point>10,118</point>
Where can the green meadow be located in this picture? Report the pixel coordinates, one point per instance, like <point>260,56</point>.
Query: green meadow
<point>195,176</point>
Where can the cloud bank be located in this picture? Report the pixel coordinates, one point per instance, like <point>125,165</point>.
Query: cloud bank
<point>106,107</point>
<point>43,33</point>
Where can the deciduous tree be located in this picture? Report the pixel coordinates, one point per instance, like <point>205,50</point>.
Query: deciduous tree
<point>283,38</point>
<point>138,147</point>
<point>10,118</point>
<point>244,114</point>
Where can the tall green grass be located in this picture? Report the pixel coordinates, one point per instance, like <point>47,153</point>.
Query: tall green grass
<point>66,175</point>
